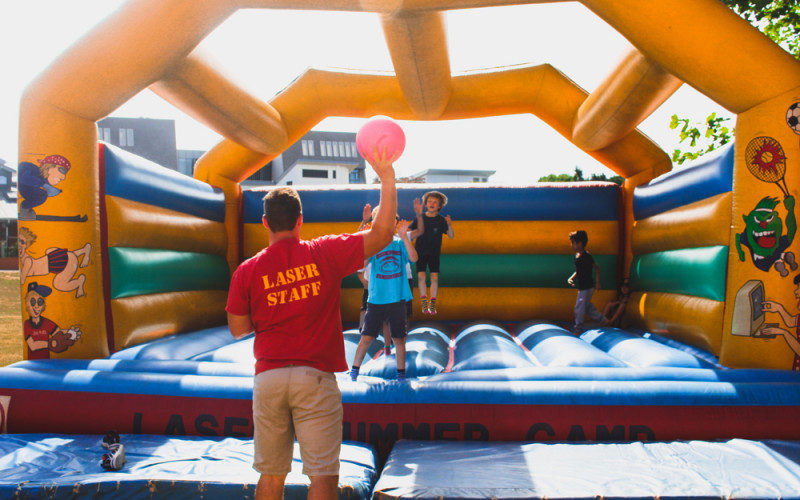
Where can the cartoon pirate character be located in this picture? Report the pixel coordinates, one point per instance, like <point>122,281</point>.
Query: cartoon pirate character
<point>763,235</point>
<point>41,334</point>
<point>793,341</point>
<point>61,262</point>
<point>36,184</point>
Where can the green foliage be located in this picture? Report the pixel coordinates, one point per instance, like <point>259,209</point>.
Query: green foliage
<point>715,132</point>
<point>779,20</point>
<point>578,176</point>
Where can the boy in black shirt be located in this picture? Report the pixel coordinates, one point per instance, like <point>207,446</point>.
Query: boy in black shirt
<point>429,246</point>
<point>582,278</point>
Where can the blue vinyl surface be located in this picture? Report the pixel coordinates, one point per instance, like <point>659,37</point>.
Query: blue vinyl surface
<point>67,466</point>
<point>590,201</point>
<point>675,470</point>
<point>134,178</point>
<point>708,177</point>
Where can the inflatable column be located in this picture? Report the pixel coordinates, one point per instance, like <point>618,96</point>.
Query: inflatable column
<point>763,292</point>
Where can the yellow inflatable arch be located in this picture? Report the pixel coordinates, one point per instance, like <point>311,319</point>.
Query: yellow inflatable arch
<point>151,44</point>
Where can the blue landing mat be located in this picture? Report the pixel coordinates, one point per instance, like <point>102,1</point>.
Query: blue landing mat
<point>56,466</point>
<point>740,469</point>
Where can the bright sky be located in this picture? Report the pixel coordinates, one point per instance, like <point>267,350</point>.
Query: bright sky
<point>264,50</point>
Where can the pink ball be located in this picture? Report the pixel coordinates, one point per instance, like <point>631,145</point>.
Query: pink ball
<point>381,131</point>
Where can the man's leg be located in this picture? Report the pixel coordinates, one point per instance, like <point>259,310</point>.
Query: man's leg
<point>323,488</point>
<point>270,487</point>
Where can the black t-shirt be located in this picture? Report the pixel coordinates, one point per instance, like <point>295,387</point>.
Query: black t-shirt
<point>583,270</point>
<point>430,242</point>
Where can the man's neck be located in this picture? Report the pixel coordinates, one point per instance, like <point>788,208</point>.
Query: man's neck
<point>282,235</point>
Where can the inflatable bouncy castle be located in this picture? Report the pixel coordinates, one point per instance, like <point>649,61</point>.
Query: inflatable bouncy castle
<point>125,264</point>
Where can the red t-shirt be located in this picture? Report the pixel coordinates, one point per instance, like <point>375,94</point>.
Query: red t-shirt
<point>291,291</point>
<point>42,331</point>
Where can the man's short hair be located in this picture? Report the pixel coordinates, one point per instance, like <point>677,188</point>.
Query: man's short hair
<point>579,236</point>
<point>282,207</point>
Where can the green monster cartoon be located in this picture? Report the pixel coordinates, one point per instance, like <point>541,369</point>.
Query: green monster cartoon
<point>763,235</point>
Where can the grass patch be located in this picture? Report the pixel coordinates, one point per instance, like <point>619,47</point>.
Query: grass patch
<point>10,318</point>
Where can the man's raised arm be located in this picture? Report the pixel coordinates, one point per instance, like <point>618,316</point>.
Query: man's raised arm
<point>382,230</point>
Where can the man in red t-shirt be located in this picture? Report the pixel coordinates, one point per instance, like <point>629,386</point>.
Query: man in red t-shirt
<point>289,295</point>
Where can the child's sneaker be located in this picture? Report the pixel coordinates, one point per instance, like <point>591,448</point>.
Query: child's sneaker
<point>387,351</point>
<point>354,374</point>
<point>424,305</point>
<point>401,375</point>
<point>115,458</point>
<point>111,437</point>
<point>432,307</point>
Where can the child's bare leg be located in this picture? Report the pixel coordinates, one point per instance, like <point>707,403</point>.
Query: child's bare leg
<point>423,292</point>
<point>434,292</point>
<point>387,339</point>
<point>434,284</point>
<point>423,287</point>
<point>361,350</point>
<point>400,352</point>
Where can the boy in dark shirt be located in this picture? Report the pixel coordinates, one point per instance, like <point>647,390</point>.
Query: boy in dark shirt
<point>429,246</point>
<point>582,278</point>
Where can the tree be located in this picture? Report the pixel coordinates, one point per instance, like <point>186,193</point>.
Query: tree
<point>578,176</point>
<point>779,20</point>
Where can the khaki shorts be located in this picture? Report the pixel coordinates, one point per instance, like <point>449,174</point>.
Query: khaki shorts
<point>302,402</point>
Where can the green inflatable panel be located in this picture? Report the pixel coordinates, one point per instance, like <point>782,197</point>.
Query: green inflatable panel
<point>510,270</point>
<point>699,272</point>
<point>141,271</point>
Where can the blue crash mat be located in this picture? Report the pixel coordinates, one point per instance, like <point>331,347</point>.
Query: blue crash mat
<point>68,466</point>
<point>741,469</point>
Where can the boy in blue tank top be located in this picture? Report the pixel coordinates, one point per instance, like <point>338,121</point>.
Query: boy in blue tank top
<point>388,293</point>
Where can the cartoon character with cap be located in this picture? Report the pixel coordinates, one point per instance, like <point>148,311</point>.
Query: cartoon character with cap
<point>37,183</point>
<point>61,262</point>
<point>41,334</point>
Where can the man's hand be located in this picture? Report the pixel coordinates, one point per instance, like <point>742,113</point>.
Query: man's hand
<point>367,214</point>
<point>380,163</point>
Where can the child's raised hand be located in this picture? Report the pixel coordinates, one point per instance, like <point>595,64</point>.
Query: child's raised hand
<point>402,227</point>
<point>367,214</point>
<point>448,219</point>
<point>417,206</point>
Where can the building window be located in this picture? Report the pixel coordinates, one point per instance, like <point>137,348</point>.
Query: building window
<point>104,134</point>
<point>354,149</point>
<point>315,173</point>
<point>334,174</point>
<point>126,137</point>
<point>323,148</point>
<point>308,147</point>
<point>355,176</point>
